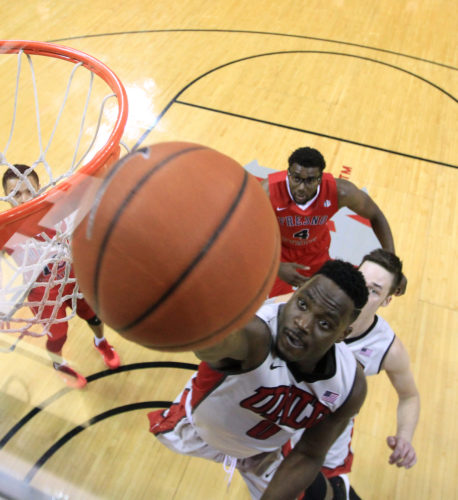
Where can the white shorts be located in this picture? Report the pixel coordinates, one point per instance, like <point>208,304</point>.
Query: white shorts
<point>182,437</point>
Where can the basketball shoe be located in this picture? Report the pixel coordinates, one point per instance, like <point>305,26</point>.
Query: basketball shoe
<point>110,356</point>
<point>70,376</point>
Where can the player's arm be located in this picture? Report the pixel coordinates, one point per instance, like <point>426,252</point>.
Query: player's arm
<point>301,466</point>
<point>397,367</point>
<point>240,348</point>
<point>357,200</point>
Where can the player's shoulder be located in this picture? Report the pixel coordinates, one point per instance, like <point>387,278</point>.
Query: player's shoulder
<point>397,357</point>
<point>240,351</point>
<point>345,187</point>
<point>269,310</point>
<point>344,353</point>
<point>327,177</point>
<point>349,195</point>
<point>382,326</point>
<point>258,344</point>
<point>277,176</point>
<point>328,188</point>
<point>275,186</point>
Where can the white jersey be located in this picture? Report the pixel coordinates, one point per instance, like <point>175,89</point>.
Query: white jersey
<point>370,349</point>
<point>245,414</point>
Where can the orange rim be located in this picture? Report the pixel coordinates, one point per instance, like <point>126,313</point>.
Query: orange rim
<point>109,152</point>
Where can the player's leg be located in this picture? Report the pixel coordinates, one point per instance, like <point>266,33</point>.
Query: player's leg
<point>258,470</point>
<point>57,335</point>
<point>174,429</point>
<point>56,338</point>
<point>110,356</point>
<point>338,462</point>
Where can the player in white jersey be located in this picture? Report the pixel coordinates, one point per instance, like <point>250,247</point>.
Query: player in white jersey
<point>377,349</point>
<point>280,374</point>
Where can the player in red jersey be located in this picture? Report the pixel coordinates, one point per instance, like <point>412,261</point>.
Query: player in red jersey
<point>304,199</point>
<point>21,190</point>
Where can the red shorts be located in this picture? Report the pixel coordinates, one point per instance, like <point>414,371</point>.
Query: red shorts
<point>58,331</point>
<point>315,263</point>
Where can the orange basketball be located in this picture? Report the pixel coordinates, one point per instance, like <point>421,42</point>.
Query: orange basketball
<point>181,247</point>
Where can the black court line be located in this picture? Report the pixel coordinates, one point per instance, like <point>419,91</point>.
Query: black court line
<point>80,428</point>
<point>175,99</point>
<point>252,32</point>
<point>105,373</point>
<point>319,134</point>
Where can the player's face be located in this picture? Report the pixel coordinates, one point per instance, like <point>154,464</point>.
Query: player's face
<point>23,193</point>
<point>378,281</point>
<point>303,182</point>
<point>316,316</point>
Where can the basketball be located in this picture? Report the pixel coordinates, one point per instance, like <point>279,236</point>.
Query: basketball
<point>180,246</point>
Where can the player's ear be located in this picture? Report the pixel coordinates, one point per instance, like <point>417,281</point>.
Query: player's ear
<point>386,301</point>
<point>344,334</point>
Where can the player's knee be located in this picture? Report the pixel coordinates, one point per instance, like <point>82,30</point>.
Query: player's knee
<point>94,321</point>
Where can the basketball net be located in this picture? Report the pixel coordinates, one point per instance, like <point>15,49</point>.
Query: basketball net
<point>68,139</point>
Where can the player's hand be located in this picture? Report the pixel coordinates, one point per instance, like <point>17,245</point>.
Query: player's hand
<point>288,272</point>
<point>403,452</point>
<point>401,289</point>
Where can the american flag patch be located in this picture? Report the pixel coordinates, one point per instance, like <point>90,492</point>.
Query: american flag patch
<point>329,396</point>
<point>365,351</point>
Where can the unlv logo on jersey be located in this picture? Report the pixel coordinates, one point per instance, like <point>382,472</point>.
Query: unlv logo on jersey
<point>284,405</point>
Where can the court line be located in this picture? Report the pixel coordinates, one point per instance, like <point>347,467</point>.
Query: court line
<point>175,99</point>
<point>252,32</point>
<point>80,428</point>
<point>105,373</point>
<point>319,134</point>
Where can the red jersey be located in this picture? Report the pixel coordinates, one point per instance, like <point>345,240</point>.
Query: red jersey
<point>304,233</point>
<point>305,237</point>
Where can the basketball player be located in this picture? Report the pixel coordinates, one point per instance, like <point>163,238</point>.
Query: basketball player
<point>304,199</point>
<point>285,371</point>
<point>57,335</point>
<point>376,348</point>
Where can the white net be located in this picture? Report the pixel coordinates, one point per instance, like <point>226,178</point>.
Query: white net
<point>59,121</point>
<point>36,282</point>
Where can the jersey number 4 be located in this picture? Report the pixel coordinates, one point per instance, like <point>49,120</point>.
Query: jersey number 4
<point>304,234</point>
